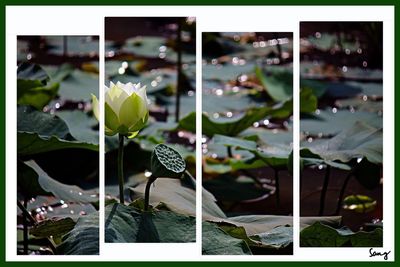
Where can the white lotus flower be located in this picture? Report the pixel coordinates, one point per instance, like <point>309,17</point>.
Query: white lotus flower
<point>126,109</point>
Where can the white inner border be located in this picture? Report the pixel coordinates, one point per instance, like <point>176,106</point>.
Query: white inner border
<point>89,20</point>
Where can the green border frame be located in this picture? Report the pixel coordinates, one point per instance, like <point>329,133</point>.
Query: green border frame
<point>190,3</point>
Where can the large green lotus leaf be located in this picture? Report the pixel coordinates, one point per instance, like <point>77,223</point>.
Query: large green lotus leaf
<point>76,45</point>
<point>32,86</point>
<point>81,126</point>
<point>216,241</point>
<point>266,137</point>
<point>27,180</point>
<point>67,193</point>
<point>79,85</point>
<point>321,235</point>
<point>39,132</point>
<point>178,198</point>
<point>359,141</point>
<point>83,239</point>
<point>269,154</point>
<point>274,156</point>
<point>278,85</point>
<point>125,224</point>
<point>256,224</point>
<point>234,126</point>
<point>220,151</point>
<point>279,237</point>
<point>226,72</point>
<point>329,123</point>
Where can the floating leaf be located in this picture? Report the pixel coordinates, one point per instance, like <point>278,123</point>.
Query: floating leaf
<point>80,125</point>
<point>127,225</point>
<point>329,123</point>
<point>320,235</point>
<point>39,132</point>
<point>52,227</point>
<point>233,126</point>
<point>178,198</point>
<point>359,141</point>
<point>216,242</point>
<point>79,85</point>
<point>278,238</point>
<point>83,239</point>
<point>234,142</point>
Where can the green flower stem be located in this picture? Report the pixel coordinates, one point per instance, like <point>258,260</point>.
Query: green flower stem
<point>147,192</point>
<point>179,69</point>
<point>342,191</point>
<point>121,179</point>
<point>324,190</point>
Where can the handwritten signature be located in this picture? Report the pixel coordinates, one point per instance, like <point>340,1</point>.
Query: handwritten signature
<point>373,253</point>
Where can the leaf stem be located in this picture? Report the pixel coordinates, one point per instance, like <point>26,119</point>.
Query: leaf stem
<point>229,151</point>
<point>121,179</point>
<point>147,192</point>
<point>324,190</point>
<point>342,191</point>
<point>179,68</point>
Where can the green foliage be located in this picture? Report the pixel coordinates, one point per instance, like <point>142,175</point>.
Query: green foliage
<point>320,235</point>
<point>38,132</point>
<point>33,87</point>
<point>127,224</point>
